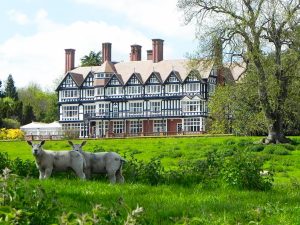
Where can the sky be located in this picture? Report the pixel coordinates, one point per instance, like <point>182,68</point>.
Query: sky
<point>34,34</point>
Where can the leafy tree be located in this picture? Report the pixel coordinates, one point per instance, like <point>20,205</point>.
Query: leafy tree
<point>250,29</point>
<point>28,114</point>
<point>10,89</point>
<point>92,59</point>
<point>1,94</point>
<point>44,103</point>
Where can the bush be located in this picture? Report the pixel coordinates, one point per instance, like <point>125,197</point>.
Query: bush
<point>255,148</point>
<point>242,170</point>
<point>24,203</point>
<point>11,134</point>
<point>276,149</point>
<point>10,123</point>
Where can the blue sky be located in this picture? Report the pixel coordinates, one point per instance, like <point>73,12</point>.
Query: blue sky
<point>35,33</point>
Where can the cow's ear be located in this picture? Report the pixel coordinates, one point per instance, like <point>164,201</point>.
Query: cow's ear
<point>30,143</point>
<point>42,143</point>
<point>71,143</point>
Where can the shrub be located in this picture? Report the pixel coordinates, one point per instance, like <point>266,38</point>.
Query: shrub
<point>11,134</point>
<point>289,147</point>
<point>276,149</point>
<point>10,123</point>
<point>255,148</point>
<point>242,170</point>
<point>24,203</point>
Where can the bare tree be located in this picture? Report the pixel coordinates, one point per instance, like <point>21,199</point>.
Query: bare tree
<point>252,29</point>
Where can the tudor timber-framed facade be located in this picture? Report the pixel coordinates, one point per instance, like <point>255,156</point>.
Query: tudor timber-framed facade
<point>135,98</point>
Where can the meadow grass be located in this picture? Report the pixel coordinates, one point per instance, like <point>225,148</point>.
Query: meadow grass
<point>165,204</point>
<point>169,204</point>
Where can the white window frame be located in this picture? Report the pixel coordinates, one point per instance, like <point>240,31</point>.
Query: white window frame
<point>118,127</point>
<point>135,108</point>
<point>69,112</point>
<point>159,126</point>
<point>153,89</point>
<point>193,124</point>
<point>136,126</point>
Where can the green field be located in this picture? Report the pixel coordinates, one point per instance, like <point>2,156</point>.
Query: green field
<point>171,204</point>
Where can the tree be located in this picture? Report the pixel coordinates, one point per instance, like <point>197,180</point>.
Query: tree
<point>10,89</point>
<point>251,29</point>
<point>28,114</point>
<point>92,59</point>
<point>1,95</point>
<point>44,103</point>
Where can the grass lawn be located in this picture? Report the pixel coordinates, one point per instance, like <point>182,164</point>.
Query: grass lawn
<point>168,204</point>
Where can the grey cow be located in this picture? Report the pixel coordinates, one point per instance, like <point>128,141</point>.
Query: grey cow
<point>109,163</point>
<point>48,161</point>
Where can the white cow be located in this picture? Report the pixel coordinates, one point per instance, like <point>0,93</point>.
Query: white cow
<point>109,163</point>
<point>48,161</point>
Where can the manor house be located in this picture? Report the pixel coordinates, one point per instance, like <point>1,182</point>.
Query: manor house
<point>137,97</point>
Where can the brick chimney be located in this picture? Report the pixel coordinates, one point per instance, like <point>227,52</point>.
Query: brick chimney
<point>106,52</point>
<point>158,50</point>
<point>136,53</point>
<point>149,55</point>
<point>69,59</point>
<point>218,60</point>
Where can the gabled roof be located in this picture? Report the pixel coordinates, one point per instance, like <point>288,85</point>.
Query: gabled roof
<point>119,78</point>
<point>137,75</point>
<point>87,76</point>
<point>157,75</point>
<point>176,74</point>
<point>78,78</point>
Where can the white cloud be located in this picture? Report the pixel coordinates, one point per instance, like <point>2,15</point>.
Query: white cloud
<point>157,15</point>
<point>40,58</point>
<point>18,17</point>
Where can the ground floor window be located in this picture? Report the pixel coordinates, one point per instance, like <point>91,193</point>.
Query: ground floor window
<point>72,130</point>
<point>103,128</point>
<point>193,124</point>
<point>136,127</point>
<point>118,127</point>
<point>159,125</point>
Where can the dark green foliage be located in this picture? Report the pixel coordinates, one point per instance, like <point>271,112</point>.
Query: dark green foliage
<point>279,149</point>
<point>93,59</point>
<point>25,203</point>
<point>10,89</point>
<point>255,148</point>
<point>242,170</point>
<point>28,116</point>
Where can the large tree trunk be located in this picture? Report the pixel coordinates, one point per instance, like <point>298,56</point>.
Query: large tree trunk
<point>275,133</point>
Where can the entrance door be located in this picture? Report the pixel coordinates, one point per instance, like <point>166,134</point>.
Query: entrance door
<point>179,127</point>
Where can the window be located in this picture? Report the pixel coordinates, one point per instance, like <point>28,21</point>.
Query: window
<point>191,106</point>
<point>153,79</point>
<point>192,78</point>
<point>100,91</point>
<point>118,127</point>
<point>69,112</point>
<point>136,127</point>
<point>193,124</point>
<point>192,87</point>
<point>114,91</point>
<point>172,88</point>
<point>69,82</point>
<point>155,107</point>
<point>159,126</point>
<point>89,82</point>
<point>72,128</point>
<point>103,108</point>
<point>114,81</point>
<point>173,78</point>
<point>133,80</point>
<point>90,93</point>
<point>131,90</point>
<point>153,89</point>
<point>69,94</point>
<point>135,107</point>
<point>89,109</point>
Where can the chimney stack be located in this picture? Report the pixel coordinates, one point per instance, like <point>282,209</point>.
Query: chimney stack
<point>69,59</point>
<point>136,53</point>
<point>106,52</point>
<point>149,55</point>
<point>218,60</point>
<point>158,50</point>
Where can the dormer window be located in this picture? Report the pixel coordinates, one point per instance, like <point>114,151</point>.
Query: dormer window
<point>153,79</point>
<point>114,81</point>
<point>173,79</point>
<point>133,80</point>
